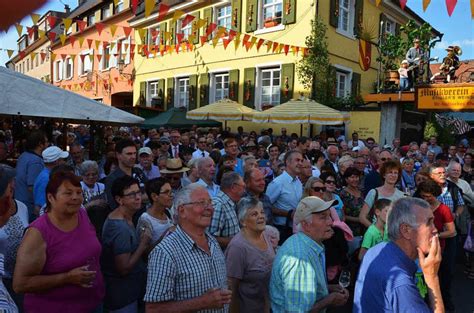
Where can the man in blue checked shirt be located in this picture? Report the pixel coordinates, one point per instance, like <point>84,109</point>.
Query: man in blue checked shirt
<point>187,271</point>
<point>298,282</point>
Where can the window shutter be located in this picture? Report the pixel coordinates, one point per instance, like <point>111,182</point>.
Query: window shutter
<point>204,89</point>
<point>236,19</point>
<point>287,82</point>
<point>170,93</point>
<point>289,11</point>
<point>355,84</point>
<point>192,92</point>
<point>195,29</point>
<point>207,16</point>
<point>142,97</point>
<point>161,93</point>
<point>234,85</point>
<point>359,17</point>
<point>334,13</point>
<point>101,62</point>
<point>249,87</point>
<point>172,30</point>
<point>251,16</point>
<point>397,29</point>
<point>127,51</point>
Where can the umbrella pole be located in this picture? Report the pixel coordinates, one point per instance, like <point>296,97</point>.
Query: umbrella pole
<point>301,129</point>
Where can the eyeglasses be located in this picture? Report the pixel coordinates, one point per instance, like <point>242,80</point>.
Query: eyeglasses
<point>242,186</point>
<point>202,142</point>
<point>202,203</point>
<point>384,159</point>
<point>319,189</point>
<point>330,182</point>
<point>133,194</point>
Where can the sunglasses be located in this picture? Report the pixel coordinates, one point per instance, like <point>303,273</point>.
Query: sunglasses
<point>330,182</point>
<point>319,189</point>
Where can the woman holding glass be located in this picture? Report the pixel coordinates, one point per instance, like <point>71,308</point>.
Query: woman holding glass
<point>57,265</point>
<point>249,259</point>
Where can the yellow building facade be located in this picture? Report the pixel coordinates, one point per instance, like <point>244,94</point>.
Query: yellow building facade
<point>256,78</point>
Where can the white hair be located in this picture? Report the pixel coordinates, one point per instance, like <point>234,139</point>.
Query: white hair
<point>403,211</point>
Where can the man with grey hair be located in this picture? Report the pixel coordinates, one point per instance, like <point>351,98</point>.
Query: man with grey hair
<point>187,271</point>
<point>298,282</point>
<point>206,171</point>
<point>332,154</point>
<point>385,282</point>
<point>224,223</point>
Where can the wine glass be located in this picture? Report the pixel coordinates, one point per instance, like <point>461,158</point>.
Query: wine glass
<point>345,279</point>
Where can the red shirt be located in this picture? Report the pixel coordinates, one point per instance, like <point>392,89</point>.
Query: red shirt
<point>442,216</point>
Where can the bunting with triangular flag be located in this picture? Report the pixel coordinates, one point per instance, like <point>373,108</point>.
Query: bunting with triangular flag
<point>19,29</point>
<point>52,20</point>
<point>149,6</point>
<point>35,18</point>
<point>100,27</point>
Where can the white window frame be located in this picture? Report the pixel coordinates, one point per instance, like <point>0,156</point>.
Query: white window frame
<point>58,70</point>
<point>213,85</point>
<point>177,103</point>
<point>82,70</point>
<point>392,30</point>
<point>263,7</point>
<point>104,64</point>
<point>124,52</point>
<point>150,85</point>
<point>67,62</point>
<point>346,73</point>
<point>350,10</point>
<point>270,69</point>
<point>105,8</point>
<point>224,17</point>
<point>186,30</point>
<point>119,7</point>
<point>90,19</point>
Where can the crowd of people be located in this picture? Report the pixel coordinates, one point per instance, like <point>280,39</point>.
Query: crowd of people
<point>213,221</point>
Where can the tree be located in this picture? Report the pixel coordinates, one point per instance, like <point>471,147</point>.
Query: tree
<point>314,70</point>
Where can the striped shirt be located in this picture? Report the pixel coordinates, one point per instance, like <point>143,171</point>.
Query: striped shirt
<point>179,270</point>
<point>224,221</point>
<point>298,278</point>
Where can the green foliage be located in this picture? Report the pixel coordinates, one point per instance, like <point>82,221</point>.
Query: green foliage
<point>444,134</point>
<point>315,71</point>
<point>394,47</point>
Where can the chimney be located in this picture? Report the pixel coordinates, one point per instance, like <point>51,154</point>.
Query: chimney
<point>67,9</point>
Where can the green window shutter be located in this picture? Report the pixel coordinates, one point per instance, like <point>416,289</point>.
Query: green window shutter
<point>355,86</point>
<point>192,92</point>
<point>161,94</point>
<point>142,97</point>
<point>170,93</point>
<point>195,28</point>
<point>249,87</point>
<point>334,13</point>
<point>287,82</point>
<point>236,15</point>
<point>203,89</point>
<point>208,17</point>
<point>397,29</point>
<point>234,85</point>
<point>251,16</point>
<point>289,11</point>
<point>383,18</point>
<point>162,33</point>
<point>172,30</point>
<point>359,17</point>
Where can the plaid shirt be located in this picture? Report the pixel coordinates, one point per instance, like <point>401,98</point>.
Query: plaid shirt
<point>179,270</point>
<point>224,221</point>
<point>298,275</point>
<point>446,198</point>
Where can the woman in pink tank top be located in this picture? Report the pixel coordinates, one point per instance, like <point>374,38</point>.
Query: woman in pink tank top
<point>58,261</point>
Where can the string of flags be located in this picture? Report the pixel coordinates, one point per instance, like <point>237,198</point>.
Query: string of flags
<point>169,42</point>
<point>450,5</point>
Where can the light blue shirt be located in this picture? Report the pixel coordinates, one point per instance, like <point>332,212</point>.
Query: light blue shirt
<point>212,189</point>
<point>285,193</point>
<point>39,188</point>
<point>298,278</point>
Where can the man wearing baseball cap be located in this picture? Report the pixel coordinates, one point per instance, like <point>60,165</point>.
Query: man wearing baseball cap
<point>145,159</point>
<point>298,282</point>
<point>52,156</point>
<point>7,207</point>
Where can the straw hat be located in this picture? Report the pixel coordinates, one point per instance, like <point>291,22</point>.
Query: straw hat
<point>174,166</point>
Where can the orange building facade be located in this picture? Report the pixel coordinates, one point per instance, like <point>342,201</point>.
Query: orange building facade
<point>94,57</point>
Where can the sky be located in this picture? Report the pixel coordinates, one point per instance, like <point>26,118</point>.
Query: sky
<point>458,29</point>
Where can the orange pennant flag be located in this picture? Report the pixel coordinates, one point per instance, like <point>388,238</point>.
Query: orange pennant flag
<point>177,15</point>
<point>294,50</point>
<point>377,2</point>
<point>215,40</point>
<point>252,42</point>
<point>187,19</point>
<point>53,57</point>
<point>426,3</point>
<point>19,29</point>
<point>43,56</point>
<point>100,27</point>
<point>260,43</point>
<point>35,18</point>
<point>62,37</point>
<point>33,55</point>
<point>72,40</point>
<point>149,6</point>
<point>63,56</point>
<point>280,47</point>
<point>237,40</point>
<point>67,23</point>
<point>113,29</point>
<point>127,31</point>
<point>97,44</point>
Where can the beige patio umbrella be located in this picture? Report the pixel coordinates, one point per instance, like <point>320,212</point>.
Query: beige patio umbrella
<point>224,110</point>
<point>302,111</point>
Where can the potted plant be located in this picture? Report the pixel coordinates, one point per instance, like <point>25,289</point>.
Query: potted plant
<point>270,22</point>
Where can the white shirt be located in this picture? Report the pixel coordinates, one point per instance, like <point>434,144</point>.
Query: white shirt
<point>199,154</point>
<point>360,143</point>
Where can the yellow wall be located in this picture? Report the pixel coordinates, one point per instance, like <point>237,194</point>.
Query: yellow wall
<point>366,124</point>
